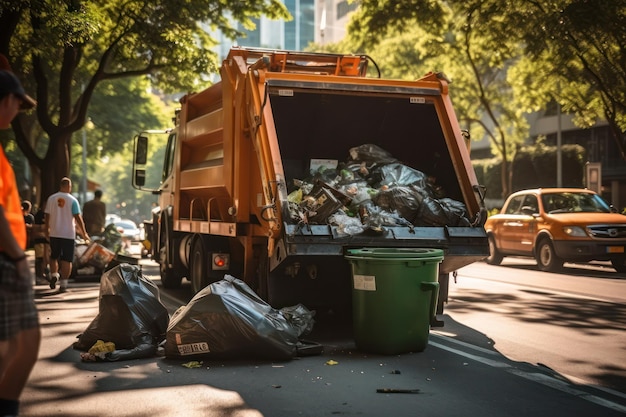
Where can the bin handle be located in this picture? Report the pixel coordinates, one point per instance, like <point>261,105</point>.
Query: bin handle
<point>433,287</point>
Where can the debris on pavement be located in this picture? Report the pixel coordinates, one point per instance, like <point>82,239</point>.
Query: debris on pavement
<point>192,364</point>
<point>397,391</point>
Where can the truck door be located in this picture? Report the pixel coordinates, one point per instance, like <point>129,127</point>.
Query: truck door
<point>263,132</point>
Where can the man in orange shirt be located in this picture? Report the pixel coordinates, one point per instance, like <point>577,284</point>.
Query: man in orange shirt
<point>20,334</point>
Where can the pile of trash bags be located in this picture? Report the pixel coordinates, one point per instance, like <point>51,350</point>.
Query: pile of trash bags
<point>370,191</point>
<point>226,320</point>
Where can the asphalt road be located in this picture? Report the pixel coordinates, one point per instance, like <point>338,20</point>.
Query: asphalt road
<point>454,377</point>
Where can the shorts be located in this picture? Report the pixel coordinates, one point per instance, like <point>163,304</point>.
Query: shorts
<point>62,249</point>
<point>17,305</point>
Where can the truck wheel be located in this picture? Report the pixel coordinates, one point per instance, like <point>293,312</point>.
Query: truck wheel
<point>546,257</point>
<point>171,277</point>
<point>495,257</point>
<point>619,265</point>
<point>198,266</point>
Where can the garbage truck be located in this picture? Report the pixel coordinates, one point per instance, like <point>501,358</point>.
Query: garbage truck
<point>292,159</point>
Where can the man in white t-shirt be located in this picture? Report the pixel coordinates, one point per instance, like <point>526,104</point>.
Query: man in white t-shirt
<point>62,217</point>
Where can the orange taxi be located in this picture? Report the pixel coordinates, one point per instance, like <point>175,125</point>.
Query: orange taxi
<point>557,225</point>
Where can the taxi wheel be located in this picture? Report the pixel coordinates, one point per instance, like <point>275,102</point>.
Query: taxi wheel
<point>495,257</point>
<point>547,260</point>
<point>619,265</point>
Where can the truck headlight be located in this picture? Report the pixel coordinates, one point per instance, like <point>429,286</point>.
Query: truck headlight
<point>574,231</point>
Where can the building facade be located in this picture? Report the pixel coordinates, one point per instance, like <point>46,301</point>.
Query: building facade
<point>598,143</point>
<point>314,21</point>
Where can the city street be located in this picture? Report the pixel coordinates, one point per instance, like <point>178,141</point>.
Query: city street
<point>572,321</point>
<point>454,378</point>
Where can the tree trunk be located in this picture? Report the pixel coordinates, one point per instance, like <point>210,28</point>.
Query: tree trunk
<point>504,177</point>
<point>55,165</point>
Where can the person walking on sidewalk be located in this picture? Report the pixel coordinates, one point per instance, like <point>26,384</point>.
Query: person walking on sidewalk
<point>94,214</point>
<point>20,334</point>
<point>42,248</point>
<point>62,217</point>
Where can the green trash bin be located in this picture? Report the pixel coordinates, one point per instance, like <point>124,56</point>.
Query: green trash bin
<point>394,297</point>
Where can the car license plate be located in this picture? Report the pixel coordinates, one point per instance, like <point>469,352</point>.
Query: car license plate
<point>615,249</point>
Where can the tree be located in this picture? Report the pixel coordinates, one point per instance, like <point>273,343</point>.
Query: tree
<point>75,45</point>
<point>575,56</point>
<point>570,51</point>
<point>447,37</point>
<point>119,110</point>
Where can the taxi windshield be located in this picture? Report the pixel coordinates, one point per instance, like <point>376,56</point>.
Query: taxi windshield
<point>572,202</point>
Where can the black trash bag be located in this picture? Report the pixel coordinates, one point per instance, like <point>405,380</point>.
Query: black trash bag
<point>402,199</point>
<point>442,212</point>
<point>385,217</point>
<point>393,175</point>
<point>130,315</point>
<point>371,155</point>
<point>227,320</point>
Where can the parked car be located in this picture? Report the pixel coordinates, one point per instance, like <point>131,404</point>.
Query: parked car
<point>110,218</point>
<point>557,225</point>
<point>129,230</point>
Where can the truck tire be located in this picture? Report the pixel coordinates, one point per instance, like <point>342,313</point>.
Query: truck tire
<point>171,277</point>
<point>546,257</point>
<point>198,274</point>
<point>495,257</point>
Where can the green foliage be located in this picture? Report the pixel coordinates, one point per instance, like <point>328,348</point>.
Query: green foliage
<point>75,47</point>
<point>488,175</point>
<point>581,42</point>
<point>121,109</point>
<point>493,211</point>
<point>450,37</point>
<point>508,58</point>
<point>533,167</point>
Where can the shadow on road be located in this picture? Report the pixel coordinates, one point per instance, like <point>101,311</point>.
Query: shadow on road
<point>592,317</point>
<point>590,270</point>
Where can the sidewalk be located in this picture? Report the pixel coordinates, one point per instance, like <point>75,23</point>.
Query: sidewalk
<point>453,378</point>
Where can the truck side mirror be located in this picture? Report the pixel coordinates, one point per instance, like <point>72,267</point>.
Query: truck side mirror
<point>140,177</point>
<point>141,151</point>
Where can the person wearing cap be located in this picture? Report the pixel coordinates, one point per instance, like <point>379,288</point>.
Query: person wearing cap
<point>20,334</point>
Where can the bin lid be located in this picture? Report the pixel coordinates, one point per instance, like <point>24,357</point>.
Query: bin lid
<point>396,253</point>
